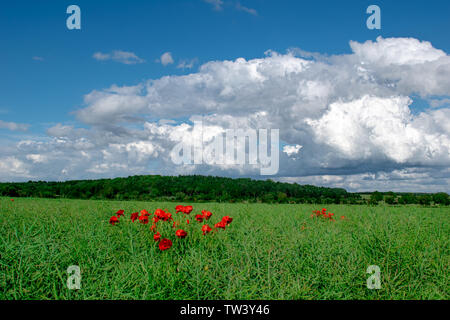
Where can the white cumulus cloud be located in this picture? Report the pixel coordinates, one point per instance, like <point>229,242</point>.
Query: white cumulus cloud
<point>292,149</point>
<point>166,58</point>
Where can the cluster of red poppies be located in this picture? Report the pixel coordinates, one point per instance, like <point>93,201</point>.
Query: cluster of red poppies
<point>324,214</point>
<point>163,215</point>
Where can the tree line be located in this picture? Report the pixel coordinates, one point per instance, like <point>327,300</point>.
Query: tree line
<point>426,199</point>
<point>206,188</point>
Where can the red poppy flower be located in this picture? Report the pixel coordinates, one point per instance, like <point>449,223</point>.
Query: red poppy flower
<point>220,224</point>
<point>153,227</point>
<point>206,229</point>
<point>199,218</point>
<point>113,220</point>
<point>227,220</point>
<point>187,221</point>
<point>134,216</point>
<point>181,233</point>
<point>165,244</point>
<point>323,214</point>
<point>157,236</point>
<point>206,214</point>
<point>143,219</point>
<point>328,216</point>
<point>342,217</point>
<point>120,213</point>
<point>184,209</point>
<point>12,200</point>
<point>162,215</point>
<point>144,212</point>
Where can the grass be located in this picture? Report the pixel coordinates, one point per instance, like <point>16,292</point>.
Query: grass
<point>264,254</point>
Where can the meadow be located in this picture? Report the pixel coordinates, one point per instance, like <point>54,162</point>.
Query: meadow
<point>268,252</point>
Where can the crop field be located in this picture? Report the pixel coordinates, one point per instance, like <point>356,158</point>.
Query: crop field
<point>280,251</point>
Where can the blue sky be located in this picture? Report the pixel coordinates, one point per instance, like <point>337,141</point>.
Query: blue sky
<point>43,92</point>
<point>47,71</point>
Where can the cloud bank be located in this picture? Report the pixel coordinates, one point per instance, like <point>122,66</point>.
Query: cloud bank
<point>345,120</point>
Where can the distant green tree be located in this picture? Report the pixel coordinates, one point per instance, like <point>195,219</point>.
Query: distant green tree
<point>180,196</point>
<point>282,197</point>
<point>375,197</point>
<point>268,198</point>
<point>407,198</point>
<point>424,200</point>
<point>441,198</point>
<point>390,200</point>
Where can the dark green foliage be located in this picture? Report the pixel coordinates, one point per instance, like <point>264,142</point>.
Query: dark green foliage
<point>377,196</point>
<point>441,198</point>
<point>209,188</point>
<point>408,198</point>
<point>424,199</point>
<point>181,188</point>
<point>390,200</point>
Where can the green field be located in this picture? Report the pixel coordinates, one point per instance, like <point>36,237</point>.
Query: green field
<point>268,252</point>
